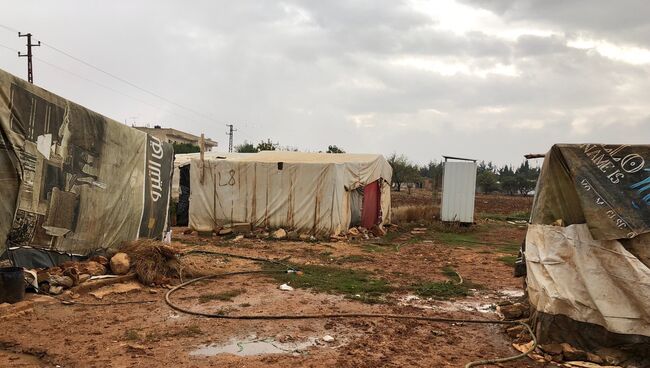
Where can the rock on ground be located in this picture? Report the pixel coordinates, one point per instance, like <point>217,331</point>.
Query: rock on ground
<point>279,234</point>
<point>120,263</point>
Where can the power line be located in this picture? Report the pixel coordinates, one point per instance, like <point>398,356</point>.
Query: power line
<point>97,83</point>
<point>123,80</point>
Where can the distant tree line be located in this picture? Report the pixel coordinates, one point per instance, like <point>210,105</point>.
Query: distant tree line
<point>490,178</point>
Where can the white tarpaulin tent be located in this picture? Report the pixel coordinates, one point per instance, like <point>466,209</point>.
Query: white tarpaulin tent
<point>588,247</point>
<point>318,193</point>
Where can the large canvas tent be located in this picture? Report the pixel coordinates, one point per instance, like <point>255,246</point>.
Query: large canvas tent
<point>588,247</point>
<point>73,181</point>
<point>317,193</point>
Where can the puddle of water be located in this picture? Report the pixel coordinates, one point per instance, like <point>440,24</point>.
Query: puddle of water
<point>447,306</point>
<point>254,347</point>
<point>512,293</point>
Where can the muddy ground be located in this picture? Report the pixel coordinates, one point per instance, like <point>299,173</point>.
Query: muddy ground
<point>49,334</point>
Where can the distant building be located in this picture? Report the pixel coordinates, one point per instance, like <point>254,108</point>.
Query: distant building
<point>176,136</point>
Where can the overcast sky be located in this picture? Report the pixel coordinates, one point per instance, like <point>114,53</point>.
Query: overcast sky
<point>491,79</point>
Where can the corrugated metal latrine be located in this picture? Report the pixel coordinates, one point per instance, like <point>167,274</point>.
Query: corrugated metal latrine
<point>458,189</point>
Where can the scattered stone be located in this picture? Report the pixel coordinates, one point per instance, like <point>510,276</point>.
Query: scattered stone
<point>571,353</point>
<point>293,235</point>
<point>285,287</point>
<point>353,231</point>
<point>304,237</point>
<point>553,349</point>
<point>84,277</point>
<point>120,263</point>
<point>512,311</point>
<point>238,238</point>
<point>328,338</point>
<point>188,231</point>
<point>336,238</point>
<point>63,281</point>
<point>438,333</point>
<point>514,331</point>
<point>558,222</point>
<point>279,234</point>
<point>55,289</point>
<point>225,231</point>
<point>92,268</point>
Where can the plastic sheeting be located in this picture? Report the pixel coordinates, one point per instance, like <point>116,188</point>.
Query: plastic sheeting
<point>595,281</point>
<point>84,181</point>
<point>307,192</point>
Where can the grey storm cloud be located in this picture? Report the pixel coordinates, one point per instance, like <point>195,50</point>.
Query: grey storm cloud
<point>486,79</point>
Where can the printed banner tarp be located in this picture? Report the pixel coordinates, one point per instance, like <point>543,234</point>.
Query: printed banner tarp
<point>605,186</point>
<point>84,181</point>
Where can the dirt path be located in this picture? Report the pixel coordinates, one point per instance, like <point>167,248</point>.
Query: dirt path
<point>145,335</point>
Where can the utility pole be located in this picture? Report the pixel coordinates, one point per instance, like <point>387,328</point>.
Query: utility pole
<point>230,135</point>
<point>30,74</point>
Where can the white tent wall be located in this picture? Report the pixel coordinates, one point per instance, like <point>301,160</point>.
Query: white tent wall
<point>298,191</point>
<point>595,281</point>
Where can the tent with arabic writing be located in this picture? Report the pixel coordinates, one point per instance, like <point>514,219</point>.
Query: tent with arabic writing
<point>74,181</point>
<point>588,247</point>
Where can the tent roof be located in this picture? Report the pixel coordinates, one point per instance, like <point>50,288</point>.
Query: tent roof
<point>605,186</point>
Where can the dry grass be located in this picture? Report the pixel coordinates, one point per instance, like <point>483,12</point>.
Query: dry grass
<point>415,213</point>
<point>153,261</point>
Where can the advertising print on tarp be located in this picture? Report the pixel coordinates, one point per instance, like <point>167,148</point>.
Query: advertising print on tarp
<point>85,182</point>
<point>606,186</point>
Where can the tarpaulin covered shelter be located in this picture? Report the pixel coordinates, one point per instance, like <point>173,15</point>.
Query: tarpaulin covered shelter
<point>317,193</point>
<point>74,181</point>
<point>588,247</point>
<point>180,195</point>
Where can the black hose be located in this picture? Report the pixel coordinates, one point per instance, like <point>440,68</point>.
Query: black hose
<point>343,315</point>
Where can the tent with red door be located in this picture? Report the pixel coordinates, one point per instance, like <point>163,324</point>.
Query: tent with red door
<point>315,193</point>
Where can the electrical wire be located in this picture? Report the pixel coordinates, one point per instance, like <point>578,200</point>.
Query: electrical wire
<point>116,77</point>
<point>337,315</point>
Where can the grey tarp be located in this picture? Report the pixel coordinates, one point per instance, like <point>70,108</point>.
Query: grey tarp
<point>84,181</point>
<point>588,280</point>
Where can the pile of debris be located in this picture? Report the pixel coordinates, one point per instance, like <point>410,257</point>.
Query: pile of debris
<point>152,262</point>
<point>558,354</point>
<point>239,231</point>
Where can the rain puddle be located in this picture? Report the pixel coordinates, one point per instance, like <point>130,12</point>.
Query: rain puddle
<point>448,306</point>
<point>516,293</point>
<point>255,347</point>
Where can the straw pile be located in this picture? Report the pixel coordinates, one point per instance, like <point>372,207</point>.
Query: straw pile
<point>154,262</point>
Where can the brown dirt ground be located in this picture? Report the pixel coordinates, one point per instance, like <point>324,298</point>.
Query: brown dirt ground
<point>484,203</point>
<point>152,334</point>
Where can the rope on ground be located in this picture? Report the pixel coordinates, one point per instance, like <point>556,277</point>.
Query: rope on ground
<point>343,315</point>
